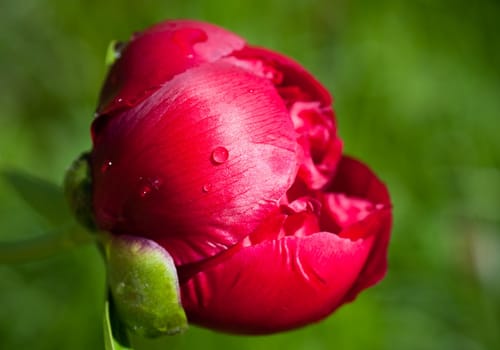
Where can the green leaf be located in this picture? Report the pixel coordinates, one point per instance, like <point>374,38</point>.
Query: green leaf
<point>143,281</point>
<point>115,335</point>
<point>40,247</point>
<point>44,197</point>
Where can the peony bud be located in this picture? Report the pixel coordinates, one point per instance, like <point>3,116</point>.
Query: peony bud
<point>227,157</point>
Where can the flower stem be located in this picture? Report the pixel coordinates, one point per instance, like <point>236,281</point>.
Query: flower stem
<point>41,247</point>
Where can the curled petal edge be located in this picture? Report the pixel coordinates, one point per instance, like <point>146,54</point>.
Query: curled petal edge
<point>281,284</point>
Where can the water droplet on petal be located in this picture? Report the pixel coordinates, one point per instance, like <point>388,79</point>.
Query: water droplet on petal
<point>206,188</point>
<point>144,190</point>
<point>148,185</point>
<point>219,155</point>
<point>251,91</point>
<point>121,102</point>
<point>106,165</point>
<point>156,183</point>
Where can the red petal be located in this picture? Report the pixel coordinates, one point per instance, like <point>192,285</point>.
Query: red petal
<point>376,265</point>
<point>288,75</point>
<point>355,179</point>
<point>342,211</point>
<point>309,106</point>
<point>276,285</point>
<point>321,147</point>
<point>198,165</point>
<point>156,55</point>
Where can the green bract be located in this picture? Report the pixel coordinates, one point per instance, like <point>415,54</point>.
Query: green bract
<point>78,191</point>
<point>144,286</point>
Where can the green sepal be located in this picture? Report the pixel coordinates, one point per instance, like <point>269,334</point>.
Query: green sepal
<point>78,191</point>
<point>115,334</point>
<point>143,281</point>
<point>113,52</point>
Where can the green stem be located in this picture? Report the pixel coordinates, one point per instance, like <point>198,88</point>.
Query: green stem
<point>44,246</point>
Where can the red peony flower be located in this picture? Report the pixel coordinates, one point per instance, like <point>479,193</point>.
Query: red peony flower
<point>227,156</point>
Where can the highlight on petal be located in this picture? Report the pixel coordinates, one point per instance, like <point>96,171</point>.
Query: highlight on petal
<point>197,165</point>
<point>309,105</point>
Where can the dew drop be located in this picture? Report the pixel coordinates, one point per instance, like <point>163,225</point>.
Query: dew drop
<point>106,165</point>
<point>206,188</point>
<point>148,185</point>
<point>251,91</point>
<point>219,155</point>
<point>121,102</point>
<point>144,190</point>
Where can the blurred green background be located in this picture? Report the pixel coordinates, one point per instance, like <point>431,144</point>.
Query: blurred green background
<point>417,94</point>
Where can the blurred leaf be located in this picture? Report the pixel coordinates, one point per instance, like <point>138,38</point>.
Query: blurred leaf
<point>43,246</point>
<point>115,336</point>
<point>44,197</point>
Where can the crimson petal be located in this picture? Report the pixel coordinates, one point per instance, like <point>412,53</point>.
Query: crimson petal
<point>198,165</point>
<point>275,285</point>
<point>355,179</point>
<point>156,55</point>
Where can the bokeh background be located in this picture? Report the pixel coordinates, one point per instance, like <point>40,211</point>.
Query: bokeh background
<point>417,94</point>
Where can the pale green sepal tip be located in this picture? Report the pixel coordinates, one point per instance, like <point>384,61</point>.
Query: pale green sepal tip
<point>112,54</point>
<point>143,282</point>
